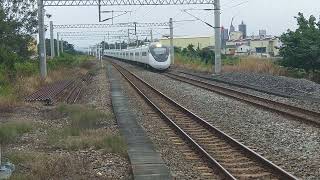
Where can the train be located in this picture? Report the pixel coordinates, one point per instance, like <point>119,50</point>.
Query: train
<point>154,55</point>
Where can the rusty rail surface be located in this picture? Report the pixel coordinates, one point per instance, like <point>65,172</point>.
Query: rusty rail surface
<point>62,91</point>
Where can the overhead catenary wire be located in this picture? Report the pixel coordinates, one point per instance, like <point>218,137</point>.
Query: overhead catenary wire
<point>199,19</point>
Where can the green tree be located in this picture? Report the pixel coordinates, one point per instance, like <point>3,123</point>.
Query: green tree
<point>301,48</point>
<point>18,20</point>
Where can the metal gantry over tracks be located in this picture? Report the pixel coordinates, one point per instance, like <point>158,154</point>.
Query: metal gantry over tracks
<point>99,3</point>
<point>123,2</point>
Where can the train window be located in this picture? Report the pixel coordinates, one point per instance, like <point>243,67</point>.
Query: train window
<point>131,54</point>
<point>127,54</point>
<point>159,51</point>
<point>137,54</point>
<point>144,53</point>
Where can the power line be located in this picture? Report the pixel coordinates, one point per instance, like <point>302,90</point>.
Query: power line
<point>239,4</point>
<point>199,19</point>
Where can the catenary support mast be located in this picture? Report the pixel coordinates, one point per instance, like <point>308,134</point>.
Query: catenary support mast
<point>52,40</point>
<point>42,45</point>
<point>171,41</point>
<point>58,45</point>
<point>217,67</point>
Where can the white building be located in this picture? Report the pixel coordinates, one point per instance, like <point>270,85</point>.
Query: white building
<point>236,35</point>
<point>259,46</point>
<point>243,50</point>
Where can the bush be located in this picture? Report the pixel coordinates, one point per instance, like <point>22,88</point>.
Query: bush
<point>47,166</point>
<point>27,68</point>
<point>83,131</point>
<point>82,117</point>
<point>67,60</point>
<point>115,144</point>
<point>11,130</point>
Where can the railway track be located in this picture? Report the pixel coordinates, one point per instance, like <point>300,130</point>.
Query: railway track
<point>285,109</point>
<point>232,159</point>
<point>67,91</point>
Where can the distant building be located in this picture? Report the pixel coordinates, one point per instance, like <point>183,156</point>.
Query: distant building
<point>232,28</point>
<point>262,33</point>
<point>243,50</point>
<point>243,29</point>
<point>224,37</point>
<point>183,42</point>
<point>236,35</point>
<point>267,47</point>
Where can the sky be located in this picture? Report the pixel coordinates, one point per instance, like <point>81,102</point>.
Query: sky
<point>275,16</point>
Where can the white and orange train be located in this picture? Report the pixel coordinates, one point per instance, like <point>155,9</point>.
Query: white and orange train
<point>154,55</point>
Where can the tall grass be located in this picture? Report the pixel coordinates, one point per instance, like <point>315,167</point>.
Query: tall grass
<point>85,131</point>
<point>24,79</point>
<point>9,131</point>
<point>192,63</point>
<point>255,65</point>
<point>232,64</point>
<point>47,166</point>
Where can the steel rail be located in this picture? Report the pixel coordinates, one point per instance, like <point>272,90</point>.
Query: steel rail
<point>209,158</point>
<point>234,143</point>
<point>279,107</point>
<point>237,84</point>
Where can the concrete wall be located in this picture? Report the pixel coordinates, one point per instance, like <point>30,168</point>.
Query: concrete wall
<point>183,42</point>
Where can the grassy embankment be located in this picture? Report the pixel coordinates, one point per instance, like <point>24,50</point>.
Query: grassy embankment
<point>83,130</point>
<point>245,64</point>
<point>24,79</point>
<point>34,142</point>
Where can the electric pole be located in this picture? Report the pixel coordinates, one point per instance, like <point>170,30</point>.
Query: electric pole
<point>52,40</point>
<point>128,39</point>
<point>62,45</point>
<point>151,35</point>
<point>58,45</point>
<point>42,44</point>
<point>217,26</point>
<point>171,41</point>
<point>104,44</point>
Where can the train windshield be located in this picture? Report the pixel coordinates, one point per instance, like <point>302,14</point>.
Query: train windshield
<point>160,54</point>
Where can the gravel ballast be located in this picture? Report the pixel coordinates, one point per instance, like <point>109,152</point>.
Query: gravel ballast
<point>303,103</point>
<point>290,86</point>
<point>98,95</point>
<point>293,145</point>
<point>180,167</point>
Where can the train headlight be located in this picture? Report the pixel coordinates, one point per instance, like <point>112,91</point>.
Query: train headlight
<point>158,45</point>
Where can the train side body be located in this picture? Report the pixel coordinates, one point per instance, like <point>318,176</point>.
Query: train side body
<point>154,55</point>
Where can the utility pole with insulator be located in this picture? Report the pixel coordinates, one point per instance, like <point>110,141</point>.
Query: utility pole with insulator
<point>42,44</point>
<point>62,45</point>
<point>171,41</point>
<point>217,26</point>
<point>128,39</point>
<point>52,40</point>
<point>58,44</point>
